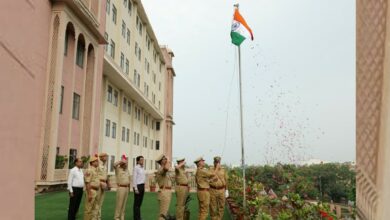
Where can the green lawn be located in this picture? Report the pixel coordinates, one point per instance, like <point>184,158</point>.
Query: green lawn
<point>55,205</point>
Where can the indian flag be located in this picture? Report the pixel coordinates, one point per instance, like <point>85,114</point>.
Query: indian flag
<point>240,29</point>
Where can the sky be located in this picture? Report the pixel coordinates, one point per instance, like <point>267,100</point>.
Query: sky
<point>298,79</point>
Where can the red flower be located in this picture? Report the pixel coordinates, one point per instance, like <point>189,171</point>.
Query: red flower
<point>323,213</point>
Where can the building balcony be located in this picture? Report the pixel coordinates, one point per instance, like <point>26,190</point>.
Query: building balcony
<point>115,75</point>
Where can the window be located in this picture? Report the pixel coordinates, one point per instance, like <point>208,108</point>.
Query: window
<point>137,21</point>
<point>66,44</point>
<point>154,78</point>
<point>158,126</point>
<point>159,86</point>
<point>159,104</point>
<point>135,138</point>
<point>127,135</point>
<point>109,94</point>
<point>138,139</point>
<point>151,144</point>
<point>114,14</point>
<point>157,145</point>
<point>133,162</point>
<point>154,98</point>
<point>123,29</point>
<point>151,164</point>
<point>108,6</point>
<point>80,54</point>
<point>112,161</point>
<point>136,48</point>
<point>106,38</point>
<point>128,36</point>
<point>129,107</point>
<point>125,3</point>
<point>122,63</point>
<point>76,106</point>
<point>127,67</point>
<point>139,53</point>
<point>123,134</point>
<point>130,7</point>
<point>138,80</point>
<point>61,98</point>
<point>113,130</point>
<point>145,163</point>
<point>124,104</point>
<point>116,98</point>
<point>108,125</point>
<point>112,52</point>
<point>72,157</point>
<point>155,166</point>
<point>135,77</point>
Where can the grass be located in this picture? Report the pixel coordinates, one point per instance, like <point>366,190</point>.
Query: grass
<point>55,206</point>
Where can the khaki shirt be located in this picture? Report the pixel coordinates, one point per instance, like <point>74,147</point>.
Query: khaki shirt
<point>102,171</point>
<point>122,175</point>
<point>181,177</point>
<point>92,177</point>
<point>203,178</point>
<point>163,179</point>
<point>222,178</point>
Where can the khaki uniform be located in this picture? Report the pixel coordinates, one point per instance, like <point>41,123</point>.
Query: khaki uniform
<point>165,193</point>
<point>217,194</point>
<point>122,192</point>
<point>91,207</point>
<point>102,171</point>
<point>181,192</point>
<point>203,177</point>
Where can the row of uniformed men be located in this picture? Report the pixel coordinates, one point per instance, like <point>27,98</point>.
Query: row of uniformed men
<point>211,187</point>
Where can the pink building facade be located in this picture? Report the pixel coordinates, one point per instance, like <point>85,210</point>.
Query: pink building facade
<point>170,74</point>
<point>71,113</point>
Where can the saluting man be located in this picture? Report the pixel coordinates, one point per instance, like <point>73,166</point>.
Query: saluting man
<point>217,191</point>
<point>165,184</point>
<point>203,178</point>
<point>92,184</point>
<point>181,188</point>
<point>102,170</point>
<point>122,191</point>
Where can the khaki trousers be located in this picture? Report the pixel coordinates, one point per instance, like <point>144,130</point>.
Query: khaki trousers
<point>100,198</point>
<point>204,202</point>
<point>91,207</point>
<point>121,199</point>
<point>164,199</point>
<point>217,203</point>
<point>181,196</point>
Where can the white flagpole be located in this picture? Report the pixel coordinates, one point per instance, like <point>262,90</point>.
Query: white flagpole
<point>241,126</point>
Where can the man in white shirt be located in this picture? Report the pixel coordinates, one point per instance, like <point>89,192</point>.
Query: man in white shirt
<point>138,187</point>
<point>75,187</point>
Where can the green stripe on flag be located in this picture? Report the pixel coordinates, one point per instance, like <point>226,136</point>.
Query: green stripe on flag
<point>237,38</point>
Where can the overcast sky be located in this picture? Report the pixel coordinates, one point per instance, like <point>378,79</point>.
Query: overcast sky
<point>298,79</point>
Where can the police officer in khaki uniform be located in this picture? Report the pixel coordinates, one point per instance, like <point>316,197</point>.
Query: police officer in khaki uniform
<point>217,191</point>
<point>92,184</point>
<point>102,170</point>
<point>203,178</point>
<point>181,188</point>
<point>165,184</point>
<point>123,182</point>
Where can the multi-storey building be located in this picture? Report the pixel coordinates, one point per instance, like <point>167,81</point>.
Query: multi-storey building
<point>133,119</point>
<point>71,111</point>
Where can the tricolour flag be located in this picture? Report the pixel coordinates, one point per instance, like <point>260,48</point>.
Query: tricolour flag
<point>240,29</point>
